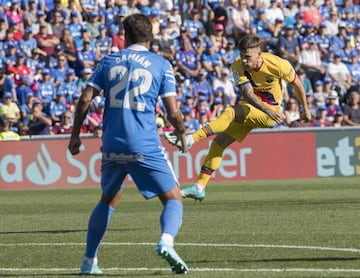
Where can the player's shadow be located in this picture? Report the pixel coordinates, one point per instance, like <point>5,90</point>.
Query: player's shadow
<point>62,231</point>
<point>155,273</point>
<point>281,260</point>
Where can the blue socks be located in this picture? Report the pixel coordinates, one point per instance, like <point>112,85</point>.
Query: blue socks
<point>171,217</point>
<point>98,223</point>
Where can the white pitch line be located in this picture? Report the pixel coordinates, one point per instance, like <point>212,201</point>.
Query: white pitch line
<point>321,270</point>
<point>321,248</point>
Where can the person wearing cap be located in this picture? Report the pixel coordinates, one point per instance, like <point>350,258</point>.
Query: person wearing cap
<point>310,60</point>
<point>231,52</point>
<point>69,85</point>
<point>332,106</point>
<point>165,42</point>
<point>352,109</point>
<point>57,106</point>
<point>93,24</point>
<point>258,75</point>
<point>10,109</point>
<point>84,37</point>
<point>225,82</point>
<point>103,42</point>
<point>348,50</point>
<point>321,120</point>
<point>173,29</point>
<point>5,133</point>
<point>201,84</point>
<point>191,123</point>
<point>25,109</point>
<point>202,104</point>
<point>75,24</point>
<point>320,96</point>
<point>108,12</point>
<point>86,57</point>
<point>262,26</point>
<point>218,38</point>
<point>340,74</point>
<point>11,53</point>
<point>47,89</point>
<point>325,9</point>
<point>289,47</point>
<point>83,79</point>
<point>41,20</point>
<point>175,15</point>
<point>23,89</point>
<point>211,61</point>
<point>354,69</point>
<point>193,23</point>
<point>323,41</point>
<point>28,43</point>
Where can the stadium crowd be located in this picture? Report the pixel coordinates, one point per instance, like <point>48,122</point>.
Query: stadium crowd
<point>48,50</point>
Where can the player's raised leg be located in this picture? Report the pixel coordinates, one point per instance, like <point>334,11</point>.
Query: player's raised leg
<point>216,126</point>
<point>213,160</point>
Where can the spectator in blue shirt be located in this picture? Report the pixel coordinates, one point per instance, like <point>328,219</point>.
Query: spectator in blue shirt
<point>103,42</point>
<point>211,61</point>
<point>47,89</point>
<point>27,44</point>
<point>86,58</point>
<point>22,90</point>
<point>354,69</point>
<point>201,84</point>
<point>74,25</point>
<point>193,23</point>
<point>57,107</point>
<point>187,60</point>
<point>69,86</point>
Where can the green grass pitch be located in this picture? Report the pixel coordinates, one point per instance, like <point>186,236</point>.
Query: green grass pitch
<point>292,228</point>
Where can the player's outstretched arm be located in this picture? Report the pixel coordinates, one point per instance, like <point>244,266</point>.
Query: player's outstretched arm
<point>175,117</point>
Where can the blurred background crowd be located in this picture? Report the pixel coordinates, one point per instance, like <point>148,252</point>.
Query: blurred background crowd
<point>49,49</point>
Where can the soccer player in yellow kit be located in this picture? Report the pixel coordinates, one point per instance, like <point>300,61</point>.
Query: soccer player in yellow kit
<point>258,75</point>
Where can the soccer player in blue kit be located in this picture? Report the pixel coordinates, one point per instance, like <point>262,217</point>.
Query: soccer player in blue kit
<point>132,80</point>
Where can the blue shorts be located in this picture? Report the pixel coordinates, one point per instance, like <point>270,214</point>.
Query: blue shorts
<point>152,173</point>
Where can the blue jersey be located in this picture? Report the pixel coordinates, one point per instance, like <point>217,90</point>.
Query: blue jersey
<point>132,80</point>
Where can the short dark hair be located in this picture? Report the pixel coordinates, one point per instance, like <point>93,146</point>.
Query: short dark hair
<point>138,28</point>
<point>249,41</point>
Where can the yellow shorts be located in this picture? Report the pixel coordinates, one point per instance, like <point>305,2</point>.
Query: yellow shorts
<point>254,118</point>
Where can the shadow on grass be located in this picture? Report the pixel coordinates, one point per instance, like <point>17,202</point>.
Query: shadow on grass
<point>63,231</point>
<point>281,260</point>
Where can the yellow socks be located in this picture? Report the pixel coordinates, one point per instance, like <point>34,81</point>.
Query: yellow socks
<point>216,126</point>
<point>211,163</point>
